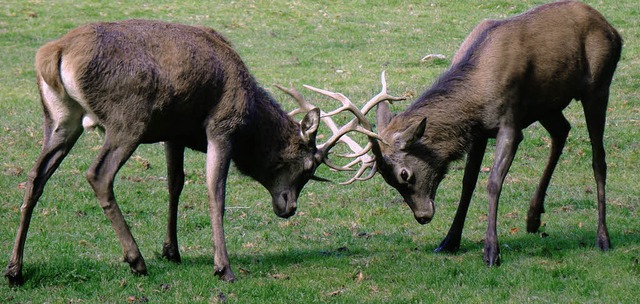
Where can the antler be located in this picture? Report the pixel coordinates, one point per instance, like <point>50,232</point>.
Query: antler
<point>359,124</point>
<point>338,135</point>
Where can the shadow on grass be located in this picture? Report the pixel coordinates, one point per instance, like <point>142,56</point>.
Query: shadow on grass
<point>551,242</point>
<point>67,270</point>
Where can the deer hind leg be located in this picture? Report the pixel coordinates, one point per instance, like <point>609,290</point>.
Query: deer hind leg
<point>175,179</point>
<point>62,128</point>
<point>451,242</point>
<point>558,127</point>
<point>101,175</point>
<point>595,110</point>
<point>507,142</point>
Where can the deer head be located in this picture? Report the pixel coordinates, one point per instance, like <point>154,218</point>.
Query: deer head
<point>407,165</point>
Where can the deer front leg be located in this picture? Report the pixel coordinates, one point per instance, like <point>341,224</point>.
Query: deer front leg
<point>507,142</point>
<point>101,175</point>
<point>451,242</point>
<point>175,179</point>
<point>218,161</point>
<point>558,127</point>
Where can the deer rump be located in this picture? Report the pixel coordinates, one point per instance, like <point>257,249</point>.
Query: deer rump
<point>159,80</point>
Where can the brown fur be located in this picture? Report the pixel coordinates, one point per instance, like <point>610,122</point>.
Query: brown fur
<point>149,81</point>
<point>506,75</point>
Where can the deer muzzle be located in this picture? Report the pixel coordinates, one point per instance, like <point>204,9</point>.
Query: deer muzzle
<point>284,203</point>
<point>424,212</point>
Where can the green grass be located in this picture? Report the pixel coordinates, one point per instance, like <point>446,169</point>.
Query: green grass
<point>351,244</point>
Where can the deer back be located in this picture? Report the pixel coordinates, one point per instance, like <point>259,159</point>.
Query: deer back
<point>163,79</point>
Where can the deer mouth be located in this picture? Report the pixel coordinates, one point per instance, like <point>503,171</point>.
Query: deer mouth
<point>424,213</point>
<point>284,204</point>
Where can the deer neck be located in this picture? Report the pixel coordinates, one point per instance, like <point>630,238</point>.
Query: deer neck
<point>264,135</point>
<point>453,118</point>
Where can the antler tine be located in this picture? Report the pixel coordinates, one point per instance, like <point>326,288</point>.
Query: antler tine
<point>335,167</point>
<point>382,96</point>
<point>360,157</point>
<point>347,105</point>
<point>339,135</point>
<point>364,160</point>
<point>361,171</point>
<point>359,124</point>
<point>303,105</point>
<point>367,163</point>
<point>360,153</point>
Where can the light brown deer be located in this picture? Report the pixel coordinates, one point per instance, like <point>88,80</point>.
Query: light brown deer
<point>149,81</point>
<point>506,75</point>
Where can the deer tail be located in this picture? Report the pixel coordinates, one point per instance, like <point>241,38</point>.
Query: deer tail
<point>48,59</point>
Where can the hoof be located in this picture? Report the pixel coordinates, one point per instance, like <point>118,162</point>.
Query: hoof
<point>604,245</point>
<point>448,246</point>
<point>225,274</point>
<point>15,280</point>
<point>138,266</point>
<point>492,261</point>
<point>534,216</point>
<point>491,256</point>
<point>171,253</point>
<point>602,239</point>
<point>14,275</point>
<point>533,224</point>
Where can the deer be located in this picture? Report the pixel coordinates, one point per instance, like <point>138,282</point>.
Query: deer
<point>506,75</point>
<point>145,81</point>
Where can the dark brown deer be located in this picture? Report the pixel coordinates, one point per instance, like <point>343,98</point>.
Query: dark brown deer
<point>149,81</point>
<point>506,75</point>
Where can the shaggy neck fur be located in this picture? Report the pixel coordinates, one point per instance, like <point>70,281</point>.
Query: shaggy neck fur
<point>264,136</point>
<point>452,115</point>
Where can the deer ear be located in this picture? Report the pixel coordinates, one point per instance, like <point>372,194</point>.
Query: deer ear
<point>412,134</point>
<point>383,115</point>
<point>309,126</point>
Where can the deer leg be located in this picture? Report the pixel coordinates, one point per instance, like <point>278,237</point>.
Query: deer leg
<point>507,142</point>
<point>595,111</point>
<point>218,161</point>
<point>58,141</point>
<point>558,127</point>
<point>175,180</point>
<point>101,175</point>
<point>451,242</point>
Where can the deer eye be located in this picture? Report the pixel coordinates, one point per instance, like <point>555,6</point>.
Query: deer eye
<point>404,175</point>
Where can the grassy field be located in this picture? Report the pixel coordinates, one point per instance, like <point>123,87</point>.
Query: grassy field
<point>347,244</point>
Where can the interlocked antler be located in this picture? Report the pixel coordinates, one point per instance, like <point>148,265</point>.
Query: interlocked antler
<point>359,124</point>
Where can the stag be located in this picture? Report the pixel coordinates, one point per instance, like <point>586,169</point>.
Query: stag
<point>506,75</point>
<point>150,81</point>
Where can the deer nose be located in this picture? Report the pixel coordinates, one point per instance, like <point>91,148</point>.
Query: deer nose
<point>424,216</point>
<point>290,200</point>
<point>423,219</point>
<point>286,205</point>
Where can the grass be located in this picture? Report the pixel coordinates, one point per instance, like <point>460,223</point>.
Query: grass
<point>350,244</point>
